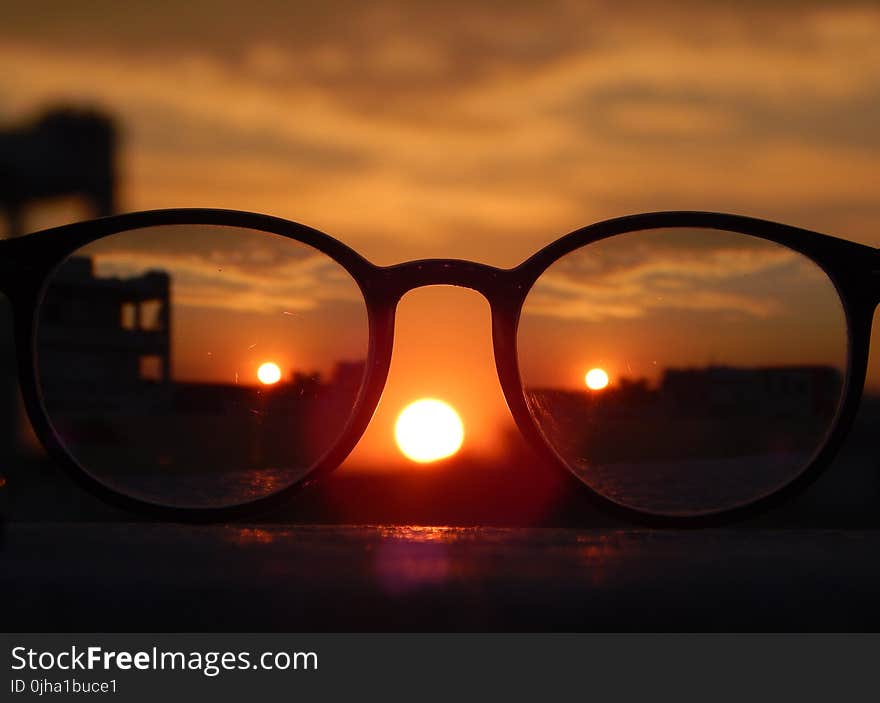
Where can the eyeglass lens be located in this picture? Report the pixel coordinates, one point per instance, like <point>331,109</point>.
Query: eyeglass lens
<point>683,371</point>
<point>200,366</point>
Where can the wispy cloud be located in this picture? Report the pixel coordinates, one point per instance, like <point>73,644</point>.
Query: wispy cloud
<point>413,129</point>
<point>224,281</point>
<point>585,287</point>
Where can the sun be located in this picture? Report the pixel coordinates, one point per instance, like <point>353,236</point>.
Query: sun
<point>269,373</point>
<point>596,379</point>
<point>428,430</point>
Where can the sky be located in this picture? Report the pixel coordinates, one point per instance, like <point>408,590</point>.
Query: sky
<point>641,303</point>
<point>241,298</point>
<point>480,130</point>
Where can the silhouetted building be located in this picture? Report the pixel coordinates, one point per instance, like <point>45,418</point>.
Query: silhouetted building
<point>110,330</point>
<point>786,390</point>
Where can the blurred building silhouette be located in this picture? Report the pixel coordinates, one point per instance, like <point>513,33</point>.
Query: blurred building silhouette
<point>63,152</point>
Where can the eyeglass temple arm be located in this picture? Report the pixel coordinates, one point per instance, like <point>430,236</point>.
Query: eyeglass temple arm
<point>17,266</point>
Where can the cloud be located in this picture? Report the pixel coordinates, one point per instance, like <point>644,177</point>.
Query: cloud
<point>228,281</point>
<point>586,286</point>
<point>420,128</point>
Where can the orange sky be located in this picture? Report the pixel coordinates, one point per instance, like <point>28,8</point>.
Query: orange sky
<point>468,129</point>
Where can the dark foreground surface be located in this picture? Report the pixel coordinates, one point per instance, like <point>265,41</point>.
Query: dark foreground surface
<point>149,577</point>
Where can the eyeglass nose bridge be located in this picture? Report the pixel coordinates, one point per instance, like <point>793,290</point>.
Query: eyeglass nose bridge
<point>399,279</point>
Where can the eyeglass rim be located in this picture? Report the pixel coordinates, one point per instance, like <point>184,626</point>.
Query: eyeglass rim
<point>852,268</point>
<point>27,263</point>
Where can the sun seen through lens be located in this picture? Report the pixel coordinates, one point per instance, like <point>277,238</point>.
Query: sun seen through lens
<point>728,354</point>
<point>200,366</point>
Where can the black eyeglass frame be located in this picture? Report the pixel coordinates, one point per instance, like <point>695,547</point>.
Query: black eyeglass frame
<point>27,264</point>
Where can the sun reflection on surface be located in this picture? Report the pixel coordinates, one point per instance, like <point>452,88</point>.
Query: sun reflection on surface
<point>252,535</point>
<point>401,565</point>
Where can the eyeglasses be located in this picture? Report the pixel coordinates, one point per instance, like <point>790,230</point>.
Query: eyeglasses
<point>684,366</point>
